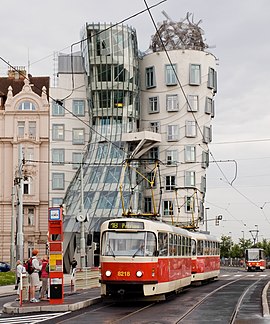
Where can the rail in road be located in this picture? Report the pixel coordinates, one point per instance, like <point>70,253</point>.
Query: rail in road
<point>235,298</point>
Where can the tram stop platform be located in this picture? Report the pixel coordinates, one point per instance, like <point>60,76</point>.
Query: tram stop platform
<point>73,300</point>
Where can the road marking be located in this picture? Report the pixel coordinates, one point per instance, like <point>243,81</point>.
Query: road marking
<point>238,275</point>
<point>32,319</point>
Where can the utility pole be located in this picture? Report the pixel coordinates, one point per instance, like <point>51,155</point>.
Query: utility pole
<point>20,254</point>
<point>82,243</point>
<point>206,220</point>
<point>12,245</point>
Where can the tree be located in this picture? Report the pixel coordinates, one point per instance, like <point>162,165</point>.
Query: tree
<point>225,246</point>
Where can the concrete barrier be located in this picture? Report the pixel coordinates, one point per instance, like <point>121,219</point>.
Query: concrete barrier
<point>86,278</point>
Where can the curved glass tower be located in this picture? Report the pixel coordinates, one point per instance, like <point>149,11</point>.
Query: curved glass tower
<point>111,61</point>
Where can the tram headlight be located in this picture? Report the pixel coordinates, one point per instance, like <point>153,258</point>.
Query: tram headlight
<point>139,274</point>
<point>108,273</point>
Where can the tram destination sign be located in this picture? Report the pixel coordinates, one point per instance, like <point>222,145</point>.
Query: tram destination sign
<point>125,225</point>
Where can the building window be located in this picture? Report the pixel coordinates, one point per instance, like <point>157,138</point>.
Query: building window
<point>167,208</point>
<point>154,127</point>
<point>57,202</point>
<point>57,110</point>
<point>76,160</point>
<point>102,151</point>
<point>209,106</point>
<point>171,157</point>
<point>172,133</point>
<point>190,179</point>
<point>207,134</point>
<point>28,153</point>
<point>170,183</point>
<point>153,153</point>
<point>32,128</point>
<point>58,156</point>
<point>104,98</point>
<point>212,79</point>
<point>107,200</point>
<point>189,204</point>
<point>27,186</point>
<point>21,129</point>
<point>193,103</point>
<point>30,212</point>
<point>172,102</point>
<point>170,74</point>
<point>77,136</point>
<point>113,174</point>
<point>104,72</point>
<point>147,204</point>
<point>195,74</point>
<point>205,159</point>
<point>203,184</point>
<point>190,153</point>
<point>96,174</point>
<point>153,105</point>
<point>27,105</point>
<point>150,78</point>
<point>78,107</point>
<point>191,128</point>
<point>151,180</point>
<point>119,98</point>
<point>58,132</point>
<point>58,181</point>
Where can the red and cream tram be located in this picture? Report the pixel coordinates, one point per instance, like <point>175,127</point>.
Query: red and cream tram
<point>145,258</point>
<point>205,257</point>
<point>255,259</point>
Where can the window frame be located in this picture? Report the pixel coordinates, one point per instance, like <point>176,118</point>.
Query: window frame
<point>174,130</point>
<point>56,128</point>
<point>170,74</point>
<point>172,103</point>
<point>191,128</point>
<point>150,77</point>
<point>77,108</point>
<point>153,105</point>
<point>195,74</point>
<point>58,180</point>
<point>193,103</point>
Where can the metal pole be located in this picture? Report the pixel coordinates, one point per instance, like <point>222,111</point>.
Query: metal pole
<point>20,208</point>
<point>12,245</point>
<point>82,223</point>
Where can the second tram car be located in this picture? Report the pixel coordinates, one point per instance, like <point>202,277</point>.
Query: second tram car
<point>255,259</point>
<point>147,259</point>
<point>205,257</point>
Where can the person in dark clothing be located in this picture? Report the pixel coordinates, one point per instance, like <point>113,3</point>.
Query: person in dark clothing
<point>73,265</point>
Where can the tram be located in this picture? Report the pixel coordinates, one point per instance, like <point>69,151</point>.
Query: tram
<point>205,257</point>
<point>147,259</point>
<point>255,259</point>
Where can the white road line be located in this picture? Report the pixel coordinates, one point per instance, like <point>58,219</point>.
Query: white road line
<point>32,319</point>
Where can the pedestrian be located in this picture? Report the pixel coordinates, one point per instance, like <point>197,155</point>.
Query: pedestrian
<point>44,275</point>
<point>19,270</point>
<point>34,277</point>
<point>73,266</point>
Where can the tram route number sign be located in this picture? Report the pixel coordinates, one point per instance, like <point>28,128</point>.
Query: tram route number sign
<point>126,225</point>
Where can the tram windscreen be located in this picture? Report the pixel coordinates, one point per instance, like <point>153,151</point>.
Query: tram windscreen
<point>253,255</point>
<point>129,244</point>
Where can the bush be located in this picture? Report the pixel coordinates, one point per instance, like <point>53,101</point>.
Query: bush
<point>7,278</point>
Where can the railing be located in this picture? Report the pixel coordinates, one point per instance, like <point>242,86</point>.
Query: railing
<point>85,278</point>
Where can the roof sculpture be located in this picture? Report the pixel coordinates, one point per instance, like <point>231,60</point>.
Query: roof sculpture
<point>178,35</point>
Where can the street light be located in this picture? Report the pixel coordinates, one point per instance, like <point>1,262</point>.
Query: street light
<point>243,235</point>
<point>81,217</point>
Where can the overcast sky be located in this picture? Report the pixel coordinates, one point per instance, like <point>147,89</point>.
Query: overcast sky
<point>237,30</point>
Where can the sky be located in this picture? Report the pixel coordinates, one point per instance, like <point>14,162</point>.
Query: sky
<point>238,179</point>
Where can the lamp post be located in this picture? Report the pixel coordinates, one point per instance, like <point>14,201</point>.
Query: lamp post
<point>243,235</point>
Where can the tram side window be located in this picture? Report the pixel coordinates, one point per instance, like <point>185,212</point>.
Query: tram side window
<point>189,246</point>
<point>200,247</point>
<point>179,245</point>
<point>171,244</point>
<point>206,248</point>
<point>163,244</point>
<point>193,247</point>
<point>261,252</point>
<point>183,245</point>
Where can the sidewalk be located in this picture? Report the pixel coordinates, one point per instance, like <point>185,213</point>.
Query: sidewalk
<point>72,300</point>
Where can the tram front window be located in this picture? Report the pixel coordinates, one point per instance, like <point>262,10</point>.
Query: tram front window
<point>129,244</point>
<point>253,255</point>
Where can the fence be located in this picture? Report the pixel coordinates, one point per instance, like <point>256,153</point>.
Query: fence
<point>85,278</point>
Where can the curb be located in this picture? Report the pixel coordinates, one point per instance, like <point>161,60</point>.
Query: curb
<point>9,309</point>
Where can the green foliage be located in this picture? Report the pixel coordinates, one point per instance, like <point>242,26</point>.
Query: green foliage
<point>7,278</point>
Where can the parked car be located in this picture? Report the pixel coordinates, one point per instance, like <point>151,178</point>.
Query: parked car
<point>4,267</point>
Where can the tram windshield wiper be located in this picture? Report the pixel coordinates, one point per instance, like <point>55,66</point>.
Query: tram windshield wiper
<point>110,249</point>
<point>139,249</point>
